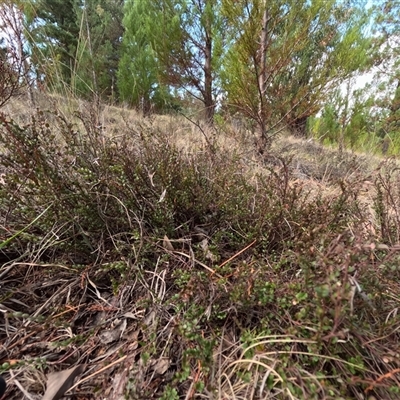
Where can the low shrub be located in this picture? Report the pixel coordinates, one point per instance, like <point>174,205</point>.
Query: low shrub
<point>241,284</point>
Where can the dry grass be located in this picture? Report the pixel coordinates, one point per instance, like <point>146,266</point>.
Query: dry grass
<point>174,263</point>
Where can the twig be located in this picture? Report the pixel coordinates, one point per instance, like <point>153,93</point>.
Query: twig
<point>237,254</point>
<point>381,378</point>
<point>97,373</point>
<point>199,262</point>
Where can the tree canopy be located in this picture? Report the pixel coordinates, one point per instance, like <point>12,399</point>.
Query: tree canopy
<point>75,44</point>
<point>275,63</point>
<point>287,57</point>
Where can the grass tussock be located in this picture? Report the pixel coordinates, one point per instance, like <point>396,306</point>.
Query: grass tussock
<point>188,272</point>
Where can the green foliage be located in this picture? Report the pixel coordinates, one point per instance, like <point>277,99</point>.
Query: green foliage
<point>75,45</point>
<point>257,289</point>
<point>310,50</point>
<point>170,44</point>
<point>211,51</point>
<point>228,279</point>
<point>192,56</point>
<point>54,35</point>
<point>326,128</point>
<point>352,121</point>
<point>170,394</point>
<point>98,50</point>
<point>13,61</point>
<point>138,69</point>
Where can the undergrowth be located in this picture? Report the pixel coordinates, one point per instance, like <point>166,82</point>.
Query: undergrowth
<point>207,279</point>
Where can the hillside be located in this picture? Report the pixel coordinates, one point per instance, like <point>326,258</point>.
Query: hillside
<point>155,258</point>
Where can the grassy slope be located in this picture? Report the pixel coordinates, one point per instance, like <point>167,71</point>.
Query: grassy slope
<point>176,264</point>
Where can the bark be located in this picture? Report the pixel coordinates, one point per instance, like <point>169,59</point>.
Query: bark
<point>298,126</point>
<point>89,41</point>
<point>208,95</point>
<point>26,68</point>
<point>262,79</point>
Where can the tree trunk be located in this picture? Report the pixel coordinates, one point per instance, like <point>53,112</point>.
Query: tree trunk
<point>145,106</point>
<point>208,97</point>
<point>393,118</point>
<point>262,79</point>
<point>89,41</point>
<point>298,127</point>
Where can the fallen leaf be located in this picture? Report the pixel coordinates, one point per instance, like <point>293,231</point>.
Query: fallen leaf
<point>59,382</point>
<point>112,335</point>
<point>382,246</point>
<point>167,244</point>
<point>162,197</point>
<point>209,256</point>
<point>160,366</point>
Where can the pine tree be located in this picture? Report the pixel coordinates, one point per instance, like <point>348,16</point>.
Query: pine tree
<point>97,57</point>
<point>172,44</point>
<point>192,60</point>
<point>138,77</point>
<point>287,56</point>
<point>75,44</point>
<point>54,34</point>
<point>387,34</point>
